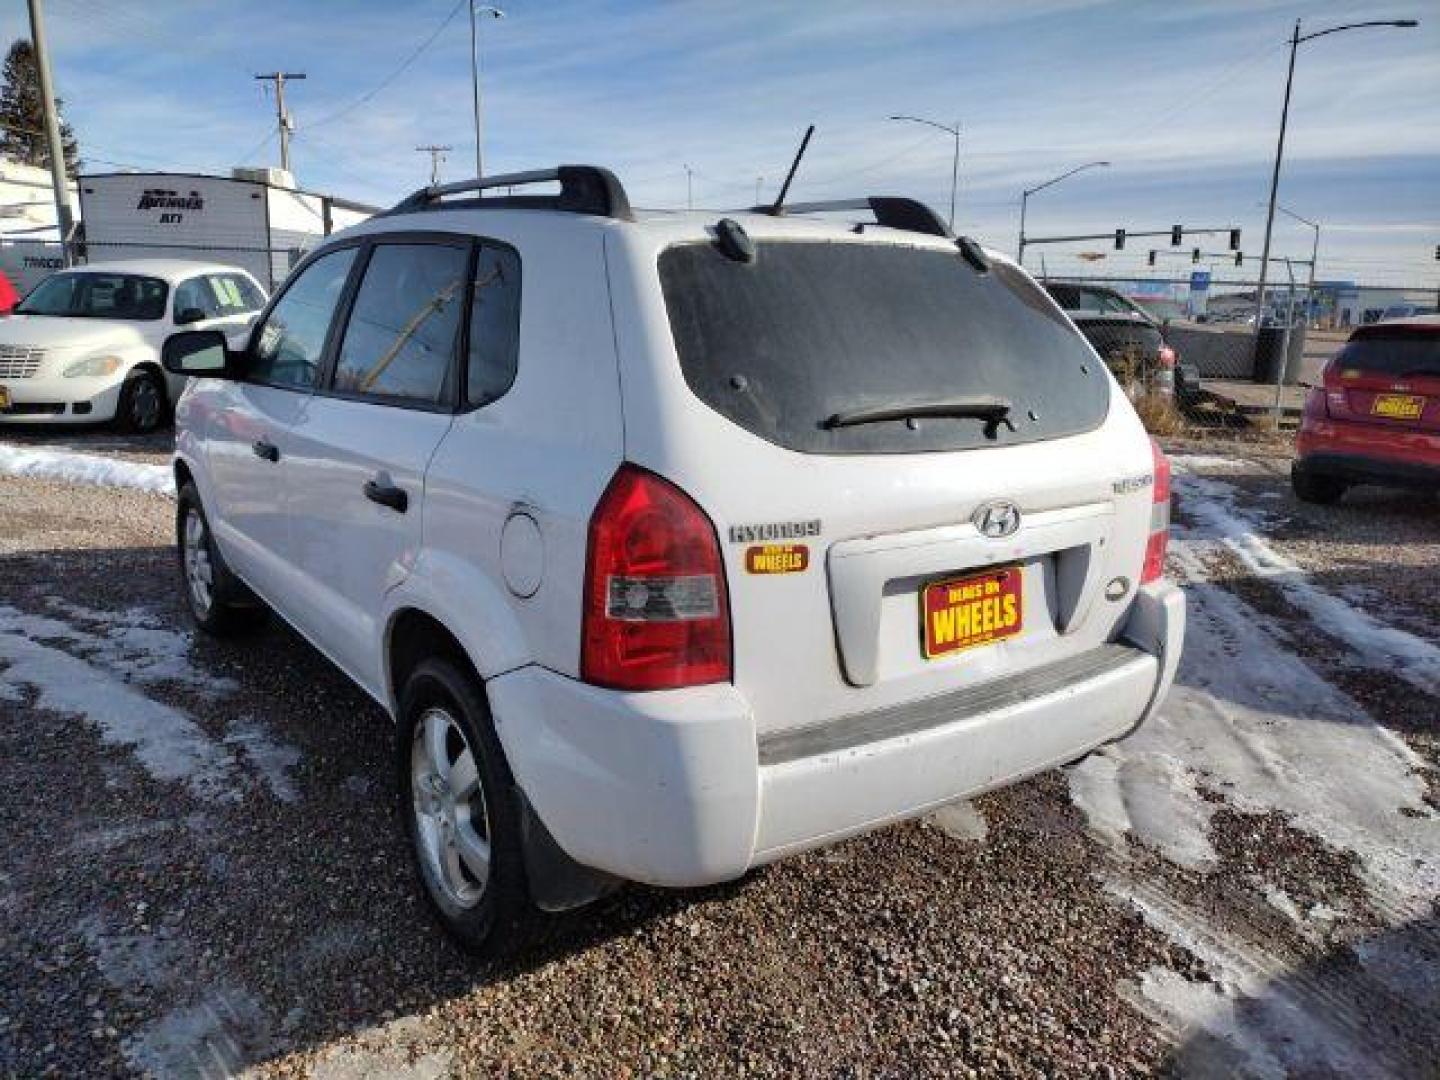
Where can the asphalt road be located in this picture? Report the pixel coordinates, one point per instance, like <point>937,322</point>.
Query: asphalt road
<point>203,872</point>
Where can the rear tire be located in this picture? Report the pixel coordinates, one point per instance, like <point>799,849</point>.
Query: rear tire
<point>1315,487</point>
<point>458,802</point>
<point>142,407</point>
<point>218,601</point>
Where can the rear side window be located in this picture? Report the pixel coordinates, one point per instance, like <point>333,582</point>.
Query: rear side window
<point>288,347</point>
<point>1393,350</point>
<point>809,331</point>
<point>494,325</point>
<point>401,335</point>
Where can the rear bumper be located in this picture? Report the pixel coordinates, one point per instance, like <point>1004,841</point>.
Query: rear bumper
<point>674,788</point>
<point>1367,453</point>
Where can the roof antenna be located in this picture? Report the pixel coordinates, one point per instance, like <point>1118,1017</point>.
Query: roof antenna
<point>777,208</point>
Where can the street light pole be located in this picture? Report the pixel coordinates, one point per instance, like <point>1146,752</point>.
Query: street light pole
<point>954,160</point>
<point>1314,254</point>
<point>1025,198</point>
<point>494,13</point>
<point>1296,40</point>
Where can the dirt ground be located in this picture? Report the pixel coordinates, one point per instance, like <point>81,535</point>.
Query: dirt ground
<point>204,873</point>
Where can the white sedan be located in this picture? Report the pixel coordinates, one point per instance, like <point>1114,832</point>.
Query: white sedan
<point>84,345</point>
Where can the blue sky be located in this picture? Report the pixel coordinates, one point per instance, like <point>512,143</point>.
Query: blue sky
<point>1182,98</point>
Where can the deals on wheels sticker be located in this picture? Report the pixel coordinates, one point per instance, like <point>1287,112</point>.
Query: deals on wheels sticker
<point>777,558</point>
<point>972,611</point>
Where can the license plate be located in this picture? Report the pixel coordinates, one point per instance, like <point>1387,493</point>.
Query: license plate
<point>972,611</point>
<point>4,398</point>
<point>1398,406</point>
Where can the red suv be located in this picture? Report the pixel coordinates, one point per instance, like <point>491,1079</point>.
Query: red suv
<point>1375,419</point>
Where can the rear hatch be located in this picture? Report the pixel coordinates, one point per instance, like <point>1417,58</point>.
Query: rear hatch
<point>1388,376</point>
<point>1129,345</point>
<point>916,470</point>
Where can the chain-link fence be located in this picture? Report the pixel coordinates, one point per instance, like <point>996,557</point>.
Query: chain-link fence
<point>1193,358</point>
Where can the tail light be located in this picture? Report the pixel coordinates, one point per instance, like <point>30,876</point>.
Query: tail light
<point>656,611</point>
<point>1168,358</point>
<point>1159,540</point>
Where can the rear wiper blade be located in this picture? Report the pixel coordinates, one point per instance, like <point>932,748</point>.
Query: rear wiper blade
<point>987,407</point>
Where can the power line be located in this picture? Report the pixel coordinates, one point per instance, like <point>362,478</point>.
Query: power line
<point>346,110</point>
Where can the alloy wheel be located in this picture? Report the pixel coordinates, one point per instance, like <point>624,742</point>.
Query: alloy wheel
<point>452,829</point>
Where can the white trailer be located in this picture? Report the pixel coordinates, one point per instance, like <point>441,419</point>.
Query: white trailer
<point>256,219</point>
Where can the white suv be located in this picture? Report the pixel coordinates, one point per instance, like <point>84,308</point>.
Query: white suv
<point>676,543</point>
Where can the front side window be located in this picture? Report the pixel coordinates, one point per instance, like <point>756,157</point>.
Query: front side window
<point>494,325</point>
<point>289,345</point>
<point>401,335</point>
<point>97,295</point>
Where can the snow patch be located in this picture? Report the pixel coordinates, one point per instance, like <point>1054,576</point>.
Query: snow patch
<point>272,759</point>
<point>962,821</point>
<point>1213,505</point>
<point>167,743</point>
<point>1250,720</point>
<point>1207,461</point>
<point>91,469</point>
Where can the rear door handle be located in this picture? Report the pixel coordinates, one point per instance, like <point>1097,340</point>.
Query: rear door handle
<point>387,495</point>
<point>267,450</point>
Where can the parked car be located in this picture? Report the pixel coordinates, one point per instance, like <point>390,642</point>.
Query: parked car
<point>676,543</point>
<point>1133,350</point>
<point>84,344</point>
<point>1096,299</point>
<point>1375,418</point>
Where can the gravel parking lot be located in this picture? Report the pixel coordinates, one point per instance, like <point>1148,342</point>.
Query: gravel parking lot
<point>204,873</point>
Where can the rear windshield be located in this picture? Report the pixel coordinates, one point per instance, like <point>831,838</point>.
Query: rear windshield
<point>1394,350</point>
<point>809,331</point>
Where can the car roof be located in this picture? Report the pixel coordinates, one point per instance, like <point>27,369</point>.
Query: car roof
<point>1082,318</point>
<point>169,270</point>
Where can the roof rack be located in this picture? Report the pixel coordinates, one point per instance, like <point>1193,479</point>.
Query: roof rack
<point>891,211</point>
<point>584,189</point>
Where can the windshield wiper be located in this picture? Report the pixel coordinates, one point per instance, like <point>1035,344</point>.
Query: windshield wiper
<point>987,407</point>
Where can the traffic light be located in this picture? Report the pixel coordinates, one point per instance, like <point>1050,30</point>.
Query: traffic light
<point>1152,256</point>
<point>1119,239</point>
<point>1239,257</point>
<point>1177,236</point>
<point>1234,239</point>
<point>1195,256</point>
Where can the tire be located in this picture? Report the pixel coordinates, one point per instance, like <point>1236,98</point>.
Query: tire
<point>142,407</point>
<point>218,601</point>
<point>1316,487</point>
<point>484,904</point>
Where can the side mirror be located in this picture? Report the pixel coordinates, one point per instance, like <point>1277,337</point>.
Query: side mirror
<point>188,315</point>
<point>202,353</point>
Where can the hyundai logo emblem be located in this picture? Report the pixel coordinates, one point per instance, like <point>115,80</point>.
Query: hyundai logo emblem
<point>996,519</point>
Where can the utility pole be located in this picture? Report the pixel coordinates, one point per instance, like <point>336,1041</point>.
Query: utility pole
<point>689,188</point>
<point>281,116</point>
<point>437,155</point>
<point>52,130</point>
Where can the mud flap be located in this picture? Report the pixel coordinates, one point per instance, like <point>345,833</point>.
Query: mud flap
<point>557,882</point>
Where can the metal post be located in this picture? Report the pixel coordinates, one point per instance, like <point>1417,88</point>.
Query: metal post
<point>1020,252</point>
<point>55,144</point>
<point>954,175</point>
<point>494,13</point>
<point>689,189</point>
<point>1284,345</point>
<point>1310,285</point>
